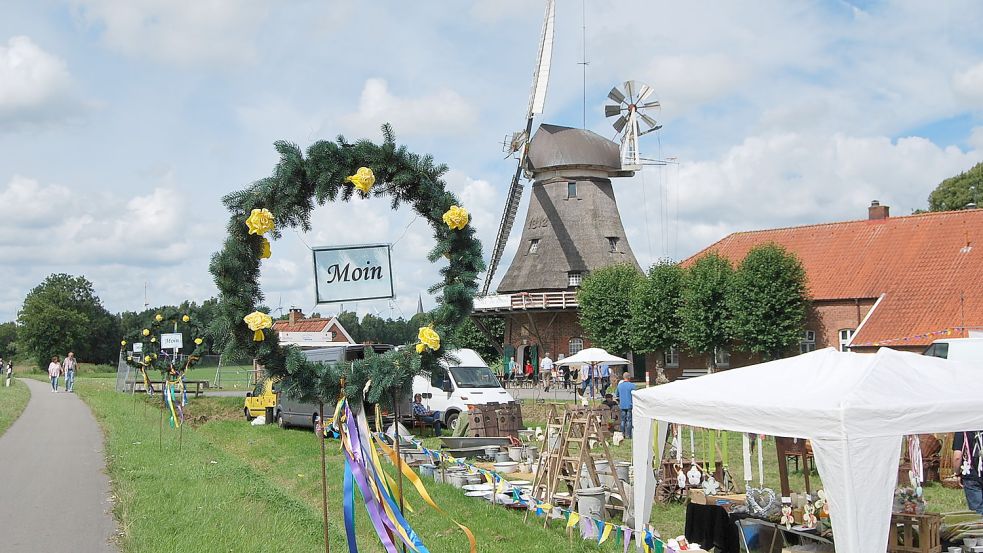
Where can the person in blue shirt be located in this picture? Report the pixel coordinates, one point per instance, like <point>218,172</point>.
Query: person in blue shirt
<point>426,416</point>
<point>624,390</point>
<point>605,379</point>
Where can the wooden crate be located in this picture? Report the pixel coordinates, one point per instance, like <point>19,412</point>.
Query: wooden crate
<point>915,533</point>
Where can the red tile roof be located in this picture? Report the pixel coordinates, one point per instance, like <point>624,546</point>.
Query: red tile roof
<point>929,268</point>
<point>303,325</point>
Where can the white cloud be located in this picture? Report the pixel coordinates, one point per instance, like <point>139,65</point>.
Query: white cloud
<point>976,139</point>
<point>35,86</point>
<point>441,113</point>
<point>686,80</point>
<point>968,84</point>
<point>185,33</point>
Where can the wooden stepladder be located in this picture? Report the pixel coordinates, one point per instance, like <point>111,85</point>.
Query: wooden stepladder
<point>570,465</point>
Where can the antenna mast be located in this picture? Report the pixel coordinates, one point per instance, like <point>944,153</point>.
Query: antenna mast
<point>584,63</point>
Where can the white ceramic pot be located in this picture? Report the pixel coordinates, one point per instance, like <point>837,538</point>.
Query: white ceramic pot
<point>507,467</point>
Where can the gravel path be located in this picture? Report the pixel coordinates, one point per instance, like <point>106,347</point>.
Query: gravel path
<point>54,492</point>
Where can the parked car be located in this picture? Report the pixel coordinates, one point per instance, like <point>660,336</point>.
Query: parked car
<point>293,412</point>
<point>262,397</point>
<point>958,349</point>
<point>469,381</point>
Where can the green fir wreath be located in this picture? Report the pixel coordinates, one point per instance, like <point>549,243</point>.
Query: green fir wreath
<point>345,171</point>
<point>152,357</point>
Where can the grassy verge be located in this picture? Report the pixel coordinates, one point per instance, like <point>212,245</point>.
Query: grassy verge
<point>13,400</point>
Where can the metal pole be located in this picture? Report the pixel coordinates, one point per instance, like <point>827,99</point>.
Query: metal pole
<point>324,479</point>
<point>399,473</point>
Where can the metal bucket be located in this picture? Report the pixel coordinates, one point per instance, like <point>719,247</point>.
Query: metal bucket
<point>491,451</point>
<point>602,467</point>
<point>515,453</point>
<point>621,467</point>
<point>428,471</point>
<point>502,456</point>
<point>457,479</point>
<point>474,479</point>
<point>532,453</point>
<point>590,503</point>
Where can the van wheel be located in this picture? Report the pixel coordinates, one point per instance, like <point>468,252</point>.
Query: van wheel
<point>279,420</point>
<point>245,411</point>
<point>452,420</point>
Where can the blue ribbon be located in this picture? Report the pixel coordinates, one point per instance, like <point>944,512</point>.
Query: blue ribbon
<point>349,508</point>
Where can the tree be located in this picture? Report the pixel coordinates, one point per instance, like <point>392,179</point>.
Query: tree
<point>604,299</point>
<point>768,301</point>
<point>64,314</point>
<point>349,320</point>
<point>470,336</point>
<point>8,339</point>
<point>957,192</point>
<point>704,314</point>
<point>655,323</point>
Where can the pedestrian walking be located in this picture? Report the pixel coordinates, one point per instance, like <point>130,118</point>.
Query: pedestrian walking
<point>967,448</point>
<point>70,366</point>
<point>623,391</point>
<point>54,371</point>
<point>605,379</point>
<point>588,377</point>
<point>546,368</point>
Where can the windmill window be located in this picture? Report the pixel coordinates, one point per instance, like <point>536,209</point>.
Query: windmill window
<point>575,345</point>
<point>534,245</point>
<point>613,244</point>
<point>574,279</point>
<point>571,189</point>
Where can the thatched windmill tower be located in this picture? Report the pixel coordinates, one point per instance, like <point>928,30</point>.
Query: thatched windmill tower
<point>572,227</point>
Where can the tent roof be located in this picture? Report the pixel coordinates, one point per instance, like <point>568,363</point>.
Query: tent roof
<point>827,394</point>
<point>593,355</point>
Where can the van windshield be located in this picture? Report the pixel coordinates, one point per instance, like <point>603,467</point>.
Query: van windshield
<point>475,377</point>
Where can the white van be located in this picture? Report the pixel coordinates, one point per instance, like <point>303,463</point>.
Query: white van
<point>469,382</point>
<point>958,349</point>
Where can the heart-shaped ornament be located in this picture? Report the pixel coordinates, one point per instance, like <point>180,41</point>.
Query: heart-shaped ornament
<point>761,501</point>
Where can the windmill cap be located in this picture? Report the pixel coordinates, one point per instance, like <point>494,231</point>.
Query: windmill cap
<point>554,147</point>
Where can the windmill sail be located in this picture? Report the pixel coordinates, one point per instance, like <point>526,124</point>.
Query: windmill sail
<point>537,100</point>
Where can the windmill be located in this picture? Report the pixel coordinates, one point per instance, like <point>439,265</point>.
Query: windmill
<point>519,142</point>
<point>633,120</point>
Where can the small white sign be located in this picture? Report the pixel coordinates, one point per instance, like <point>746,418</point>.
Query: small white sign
<point>172,340</point>
<point>350,273</point>
<point>138,347</point>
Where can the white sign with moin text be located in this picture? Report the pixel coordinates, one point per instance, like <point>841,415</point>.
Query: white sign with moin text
<point>171,340</point>
<point>351,273</point>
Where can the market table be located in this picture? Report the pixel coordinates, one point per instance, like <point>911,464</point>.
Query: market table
<point>714,526</point>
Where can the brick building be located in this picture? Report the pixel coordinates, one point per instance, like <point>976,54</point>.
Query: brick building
<point>572,227</point>
<point>899,282</point>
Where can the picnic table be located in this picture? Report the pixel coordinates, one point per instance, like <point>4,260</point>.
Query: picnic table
<point>197,387</point>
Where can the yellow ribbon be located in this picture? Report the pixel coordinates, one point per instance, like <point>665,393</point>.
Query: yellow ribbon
<point>574,517</point>
<point>415,480</point>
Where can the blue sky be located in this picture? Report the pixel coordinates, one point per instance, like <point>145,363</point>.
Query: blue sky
<point>123,122</point>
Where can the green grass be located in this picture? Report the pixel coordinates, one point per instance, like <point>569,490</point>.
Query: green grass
<point>13,400</point>
<point>263,490</point>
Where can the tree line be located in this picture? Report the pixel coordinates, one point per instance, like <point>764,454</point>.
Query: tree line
<point>63,313</point>
<point>760,306</point>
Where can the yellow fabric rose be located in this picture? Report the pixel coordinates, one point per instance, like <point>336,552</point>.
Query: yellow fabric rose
<point>456,217</point>
<point>147,359</point>
<point>198,341</point>
<point>420,347</point>
<point>257,321</point>
<point>146,332</point>
<point>186,318</point>
<point>153,338</point>
<point>363,179</point>
<point>429,337</point>
<point>158,317</point>
<point>264,249</point>
<point>123,343</point>
<point>260,221</point>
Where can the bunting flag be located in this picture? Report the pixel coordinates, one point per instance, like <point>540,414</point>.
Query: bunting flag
<point>604,529</point>
<point>628,532</point>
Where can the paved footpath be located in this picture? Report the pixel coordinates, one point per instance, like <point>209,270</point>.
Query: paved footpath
<point>54,492</point>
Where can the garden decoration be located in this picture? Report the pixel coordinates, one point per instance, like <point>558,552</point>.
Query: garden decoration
<point>349,172</point>
<point>809,519</point>
<point>787,519</point>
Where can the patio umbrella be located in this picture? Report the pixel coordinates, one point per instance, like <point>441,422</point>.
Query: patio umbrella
<point>592,356</point>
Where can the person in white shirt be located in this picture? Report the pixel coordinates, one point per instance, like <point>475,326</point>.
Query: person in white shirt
<point>546,369</point>
<point>70,366</point>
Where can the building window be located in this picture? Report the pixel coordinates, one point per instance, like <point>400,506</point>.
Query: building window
<point>808,342</point>
<point>330,336</point>
<point>534,245</point>
<point>846,335</point>
<point>574,278</point>
<point>613,244</point>
<point>571,189</point>
<point>575,345</point>
<point>672,356</point>
<point>721,357</point>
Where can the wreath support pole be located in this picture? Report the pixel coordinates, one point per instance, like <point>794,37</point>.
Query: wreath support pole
<point>160,427</point>
<point>399,473</point>
<point>324,478</point>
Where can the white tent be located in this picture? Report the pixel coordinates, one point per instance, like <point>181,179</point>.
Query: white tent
<point>592,356</point>
<point>854,407</point>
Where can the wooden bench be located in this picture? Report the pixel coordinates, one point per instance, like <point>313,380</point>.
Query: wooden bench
<point>196,387</point>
